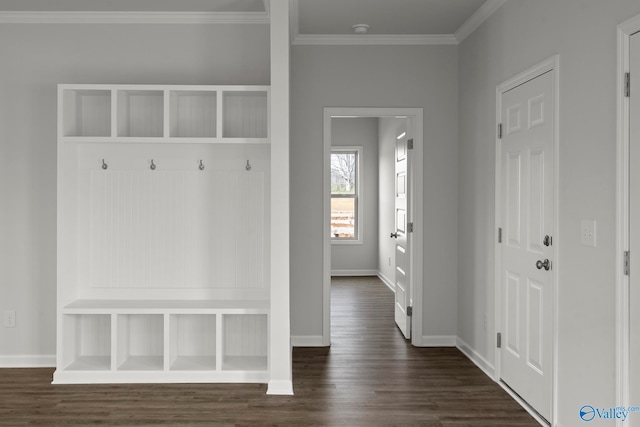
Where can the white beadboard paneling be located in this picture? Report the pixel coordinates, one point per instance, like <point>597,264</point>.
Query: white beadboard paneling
<point>176,228</point>
<point>245,334</point>
<point>245,114</point>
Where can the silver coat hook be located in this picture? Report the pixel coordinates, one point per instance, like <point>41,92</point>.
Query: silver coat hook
<point>201,167</point>
<point>104,165</point>
<point>248,167</point>
<point>153,165</point>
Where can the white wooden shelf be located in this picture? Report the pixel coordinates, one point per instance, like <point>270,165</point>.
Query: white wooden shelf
<point>222,339</point>
<point>164,114</point>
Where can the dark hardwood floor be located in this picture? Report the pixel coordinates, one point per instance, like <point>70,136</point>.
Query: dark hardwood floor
<point>369,377</point>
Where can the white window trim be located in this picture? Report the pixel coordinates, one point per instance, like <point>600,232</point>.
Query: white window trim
<point>359,192</point>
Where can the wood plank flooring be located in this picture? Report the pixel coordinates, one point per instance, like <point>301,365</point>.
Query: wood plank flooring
<point>369,377</point>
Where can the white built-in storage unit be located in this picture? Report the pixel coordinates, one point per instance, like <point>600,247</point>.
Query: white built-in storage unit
<point>163,234</point>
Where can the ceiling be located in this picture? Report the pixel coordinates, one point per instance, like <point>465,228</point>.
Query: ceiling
<point>321,21</point>
<point>385,16</point>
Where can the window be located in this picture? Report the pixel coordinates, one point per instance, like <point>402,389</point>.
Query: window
<point>345,193</point>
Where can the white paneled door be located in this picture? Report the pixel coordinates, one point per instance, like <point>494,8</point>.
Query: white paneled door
<point>527,216</point>
<point>401,236</point>
<point>634,223</point>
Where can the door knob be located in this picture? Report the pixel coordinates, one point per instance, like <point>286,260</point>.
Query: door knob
<point>394,235</point>
<point>546,264</point>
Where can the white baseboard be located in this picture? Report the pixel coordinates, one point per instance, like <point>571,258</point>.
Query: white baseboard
<point>354,272</point>
<point>387,282</point>
<point>476,358</point>
<point>438,341</point>
<point>28,361</point>
<point>307,341</point>
<point>280,388</point>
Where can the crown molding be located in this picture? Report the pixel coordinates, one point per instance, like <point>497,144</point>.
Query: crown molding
<point>475,20</point>
<point>372,39</point>
<point>11,17</point>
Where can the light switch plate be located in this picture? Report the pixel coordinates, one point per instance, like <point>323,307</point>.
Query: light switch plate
<point>588,232</point>
<point>9,319</point>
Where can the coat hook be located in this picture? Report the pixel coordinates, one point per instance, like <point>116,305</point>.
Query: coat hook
<point>104,165</point>
<point>248,167</point>
<point>201,166</point>
<point>153,165</point>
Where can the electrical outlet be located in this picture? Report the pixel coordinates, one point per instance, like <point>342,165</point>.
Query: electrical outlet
<point>588,232</point>
<point>9,319</point>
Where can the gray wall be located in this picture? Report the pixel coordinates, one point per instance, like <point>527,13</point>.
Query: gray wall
<point>375,76</point>
<point>521,34</point>
<point>360,132</point>
<point>389,129</point>
<point>35,58</point>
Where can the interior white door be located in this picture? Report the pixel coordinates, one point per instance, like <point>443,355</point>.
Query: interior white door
<point>527,216</point>
<point>634,220</point>
<point>402,235</point>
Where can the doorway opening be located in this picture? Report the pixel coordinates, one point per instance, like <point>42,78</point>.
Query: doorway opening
<point>357,230</point>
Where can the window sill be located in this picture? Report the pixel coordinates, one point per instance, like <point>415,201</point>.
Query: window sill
<point>346,242</point>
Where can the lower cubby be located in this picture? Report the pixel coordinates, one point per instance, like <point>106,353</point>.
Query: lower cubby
<point>140,341</point>
<point>87,342</point>
<point>245,342</point>
<point>204,341</point>
<point>192,342</point>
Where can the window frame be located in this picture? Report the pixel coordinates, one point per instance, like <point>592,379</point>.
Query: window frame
<point>357,196</point>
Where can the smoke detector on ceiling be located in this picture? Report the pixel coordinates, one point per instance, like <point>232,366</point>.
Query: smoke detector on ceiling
<point>360,28</point>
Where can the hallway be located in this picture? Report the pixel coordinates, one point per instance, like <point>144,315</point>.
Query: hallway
<point>372,376</point>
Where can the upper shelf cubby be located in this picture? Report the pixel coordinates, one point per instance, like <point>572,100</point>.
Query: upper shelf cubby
<point>246,114</point>
<point>193,114</point>
<point>140,113</point>
<point>163,113</point>
<point>87,113</point>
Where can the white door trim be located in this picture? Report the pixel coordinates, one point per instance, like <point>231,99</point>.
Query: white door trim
<point>416,215</point>
<point>625,30</point>
<point>549,64</point>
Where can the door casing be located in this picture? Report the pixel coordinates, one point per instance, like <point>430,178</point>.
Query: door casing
<point>623,313</point>
<point>549,64</point>
<point>415,215</point>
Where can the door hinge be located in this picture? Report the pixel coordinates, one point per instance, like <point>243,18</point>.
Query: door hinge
<point>410,227</point>
<point>627,263</point>
<point>410,311</point>
<point>627,85</point>
<point>500,131</point>
<point>410,144</point>
<point>500,235</point>
<point>499,340</point>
